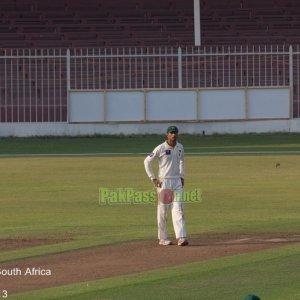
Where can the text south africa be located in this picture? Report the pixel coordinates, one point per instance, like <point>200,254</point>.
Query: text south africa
<point>29,271</point>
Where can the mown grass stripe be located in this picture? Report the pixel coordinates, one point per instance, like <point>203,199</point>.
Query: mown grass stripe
<point>215,153</point>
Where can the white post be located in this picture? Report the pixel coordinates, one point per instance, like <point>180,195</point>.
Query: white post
<point>197,22</point>
<point>291,79</point>
<point>68,83</point>
<point>179,68</point>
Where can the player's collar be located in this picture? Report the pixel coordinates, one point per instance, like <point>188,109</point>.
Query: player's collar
<point>170,145</point>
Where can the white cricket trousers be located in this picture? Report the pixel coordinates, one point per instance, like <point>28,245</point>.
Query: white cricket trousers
<point>176,207</point>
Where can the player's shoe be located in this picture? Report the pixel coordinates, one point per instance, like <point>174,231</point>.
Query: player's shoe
<point>182,242</point>
<point>165,242</point>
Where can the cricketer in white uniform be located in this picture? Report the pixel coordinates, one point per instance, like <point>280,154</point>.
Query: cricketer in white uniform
<point>170,156</point>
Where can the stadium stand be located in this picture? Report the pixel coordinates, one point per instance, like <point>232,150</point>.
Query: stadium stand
<point>80,23</point>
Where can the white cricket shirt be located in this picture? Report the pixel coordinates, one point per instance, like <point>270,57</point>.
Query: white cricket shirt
<point>170,161</point>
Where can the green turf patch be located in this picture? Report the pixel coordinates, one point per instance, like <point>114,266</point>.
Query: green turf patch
<point>145,144</point>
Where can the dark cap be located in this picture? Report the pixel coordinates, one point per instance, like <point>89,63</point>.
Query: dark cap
<point>172,129</point>
<point>251,297</point>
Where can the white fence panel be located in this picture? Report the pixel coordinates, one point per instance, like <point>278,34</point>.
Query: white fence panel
<point>125,106</point>
<point>222,104</point>
<point>171,105</point>
<point>269,103</point>
<point>179,105</point>
<point>86,107</point>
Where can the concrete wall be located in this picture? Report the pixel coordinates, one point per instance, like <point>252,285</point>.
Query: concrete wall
<point>65,129</point>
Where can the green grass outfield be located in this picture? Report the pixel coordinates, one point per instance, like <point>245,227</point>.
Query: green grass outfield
<point>57,197</point>
<point>143,144</point>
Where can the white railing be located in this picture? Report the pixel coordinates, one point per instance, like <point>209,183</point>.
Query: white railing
<point>200,67</point>
<point>34,84</point>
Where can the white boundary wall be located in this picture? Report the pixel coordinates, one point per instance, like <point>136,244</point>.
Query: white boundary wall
<point>179,104</point>
<point>223,111</point>
<point>64,129</point>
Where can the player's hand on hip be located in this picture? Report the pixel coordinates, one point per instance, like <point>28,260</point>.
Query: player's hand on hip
<point>157,182</point>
